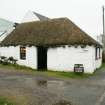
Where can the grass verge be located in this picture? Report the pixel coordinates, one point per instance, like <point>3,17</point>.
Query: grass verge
<point>103,66</point>
<point>4,101</point>
<point>67,74</point>
<point>100,68</point>
<point>45,72</point>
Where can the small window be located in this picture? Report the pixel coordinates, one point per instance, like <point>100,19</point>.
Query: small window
<point>23,53</point>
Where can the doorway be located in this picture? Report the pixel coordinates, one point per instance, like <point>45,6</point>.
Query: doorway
<point>42,58</point>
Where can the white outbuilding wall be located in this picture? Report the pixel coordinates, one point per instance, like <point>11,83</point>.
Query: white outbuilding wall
<point>31,54</point>
<point>63,59</point>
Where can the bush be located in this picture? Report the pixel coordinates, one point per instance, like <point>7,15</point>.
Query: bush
<point>14,61</point>
<point>10,59</point>
<point>3,57</point>
<point>4,60</point>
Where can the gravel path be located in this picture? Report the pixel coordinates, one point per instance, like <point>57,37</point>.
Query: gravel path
<point>37,89</point>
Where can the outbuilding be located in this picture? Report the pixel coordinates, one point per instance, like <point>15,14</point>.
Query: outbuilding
<point>6,27</point>
<point>54,44</point>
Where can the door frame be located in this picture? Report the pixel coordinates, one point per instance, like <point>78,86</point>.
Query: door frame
<point>42,58</point>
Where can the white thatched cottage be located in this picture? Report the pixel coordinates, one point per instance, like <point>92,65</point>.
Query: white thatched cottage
<point>55,44</point>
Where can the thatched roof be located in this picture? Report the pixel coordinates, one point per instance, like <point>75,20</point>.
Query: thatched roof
<point>51,32</point>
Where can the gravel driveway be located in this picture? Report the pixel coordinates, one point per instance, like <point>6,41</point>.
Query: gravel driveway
<point>26,88</point>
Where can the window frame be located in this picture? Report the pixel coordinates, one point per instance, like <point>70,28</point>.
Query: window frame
<point>22,52</point>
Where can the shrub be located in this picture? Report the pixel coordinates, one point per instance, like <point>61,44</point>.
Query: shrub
<point>3,57</point>
<point>4,60</point>
<point>14,61</point>
<point>10,59</point>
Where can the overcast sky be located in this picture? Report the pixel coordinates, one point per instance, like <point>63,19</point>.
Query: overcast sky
<point>87,14</point>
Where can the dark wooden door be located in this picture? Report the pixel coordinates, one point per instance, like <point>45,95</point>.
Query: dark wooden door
<point>42,58</point>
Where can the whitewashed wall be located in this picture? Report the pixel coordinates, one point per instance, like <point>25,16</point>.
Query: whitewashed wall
<point>31,55</point>
<point>63,59</point>
<point>58,59</point>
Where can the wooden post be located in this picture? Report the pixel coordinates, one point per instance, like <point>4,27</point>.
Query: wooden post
<point>103,21</point>
<point>103,36</point>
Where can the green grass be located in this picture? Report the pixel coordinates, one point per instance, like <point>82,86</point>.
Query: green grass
<point>46,73</point>
<point>67,74</point>
<point>103,66</point>
<point>4,101</point>
<point>17,67</point>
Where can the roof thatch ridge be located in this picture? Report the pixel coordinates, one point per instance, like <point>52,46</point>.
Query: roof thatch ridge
<point>51,32</point>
